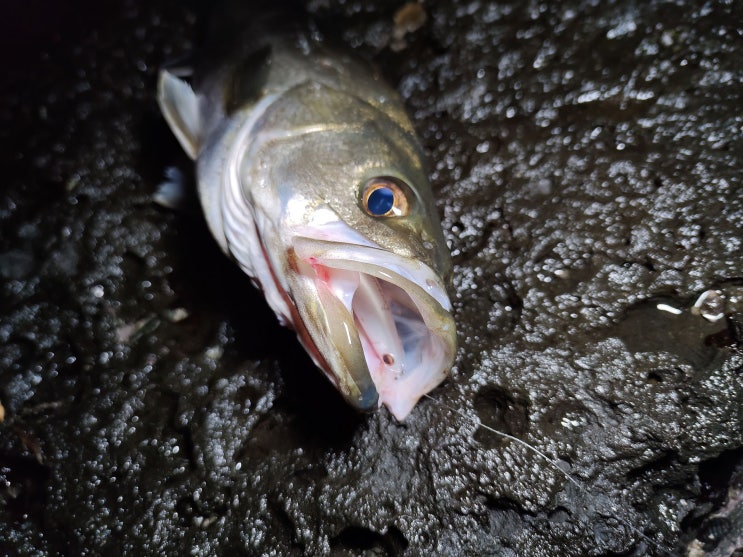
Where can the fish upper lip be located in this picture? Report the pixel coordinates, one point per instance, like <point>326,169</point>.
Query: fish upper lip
<point>400,278</point>
<point>365,258</point>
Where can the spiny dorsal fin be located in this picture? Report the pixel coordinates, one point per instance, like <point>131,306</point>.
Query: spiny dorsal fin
<point>248,77</point>
<point>180,106</point>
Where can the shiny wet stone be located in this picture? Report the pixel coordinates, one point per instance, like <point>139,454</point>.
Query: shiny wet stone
<point>586,160</point>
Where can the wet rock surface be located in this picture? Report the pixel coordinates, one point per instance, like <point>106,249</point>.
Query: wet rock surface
<point>587,158</point>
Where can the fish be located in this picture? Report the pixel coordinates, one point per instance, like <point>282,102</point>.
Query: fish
<point>312,179</point>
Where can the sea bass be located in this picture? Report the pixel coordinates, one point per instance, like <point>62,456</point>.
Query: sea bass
<point>311,177</point>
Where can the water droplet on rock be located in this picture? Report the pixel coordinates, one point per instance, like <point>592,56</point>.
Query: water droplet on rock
<point>710,305</point>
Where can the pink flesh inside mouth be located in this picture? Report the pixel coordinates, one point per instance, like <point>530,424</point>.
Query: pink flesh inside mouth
<point>405,331</point>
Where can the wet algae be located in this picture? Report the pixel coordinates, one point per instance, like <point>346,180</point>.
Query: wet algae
<point>587,159</point>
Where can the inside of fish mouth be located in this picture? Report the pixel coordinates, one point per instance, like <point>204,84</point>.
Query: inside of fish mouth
<point>391,329</point>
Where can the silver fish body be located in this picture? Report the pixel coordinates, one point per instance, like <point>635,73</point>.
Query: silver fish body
<point>292,142</point>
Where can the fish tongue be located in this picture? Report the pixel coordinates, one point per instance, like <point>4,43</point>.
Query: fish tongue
<point>376,325</point>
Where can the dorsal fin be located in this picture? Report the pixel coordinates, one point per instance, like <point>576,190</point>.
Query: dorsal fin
<point>247,79</point>
<point>180,106</point>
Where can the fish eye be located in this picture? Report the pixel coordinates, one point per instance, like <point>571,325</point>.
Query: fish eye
<point>384,197</point>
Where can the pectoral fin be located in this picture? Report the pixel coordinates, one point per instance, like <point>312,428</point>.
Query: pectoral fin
<point>180,106</point>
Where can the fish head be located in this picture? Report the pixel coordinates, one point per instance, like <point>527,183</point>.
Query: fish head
<point>349,226</point>
<point>366,265</point>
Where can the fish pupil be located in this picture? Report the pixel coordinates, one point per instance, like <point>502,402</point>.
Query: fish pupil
<point>381,201</point>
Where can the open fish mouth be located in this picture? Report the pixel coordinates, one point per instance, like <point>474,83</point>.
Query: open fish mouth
<point>377,323</point>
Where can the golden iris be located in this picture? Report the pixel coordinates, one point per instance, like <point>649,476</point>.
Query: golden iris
<point>383,197</point>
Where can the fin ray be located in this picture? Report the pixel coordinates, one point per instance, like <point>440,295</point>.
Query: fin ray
<point>180,106</point>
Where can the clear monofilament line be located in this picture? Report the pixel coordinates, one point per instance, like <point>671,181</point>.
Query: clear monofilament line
<point>554,463</point>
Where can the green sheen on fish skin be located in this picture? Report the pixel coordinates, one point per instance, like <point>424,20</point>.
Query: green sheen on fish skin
<point>285,133</point>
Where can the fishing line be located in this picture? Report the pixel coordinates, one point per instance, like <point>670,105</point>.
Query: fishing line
<point>554,463</point>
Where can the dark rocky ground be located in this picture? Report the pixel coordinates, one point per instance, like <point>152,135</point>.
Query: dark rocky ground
<point>587,155</point>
